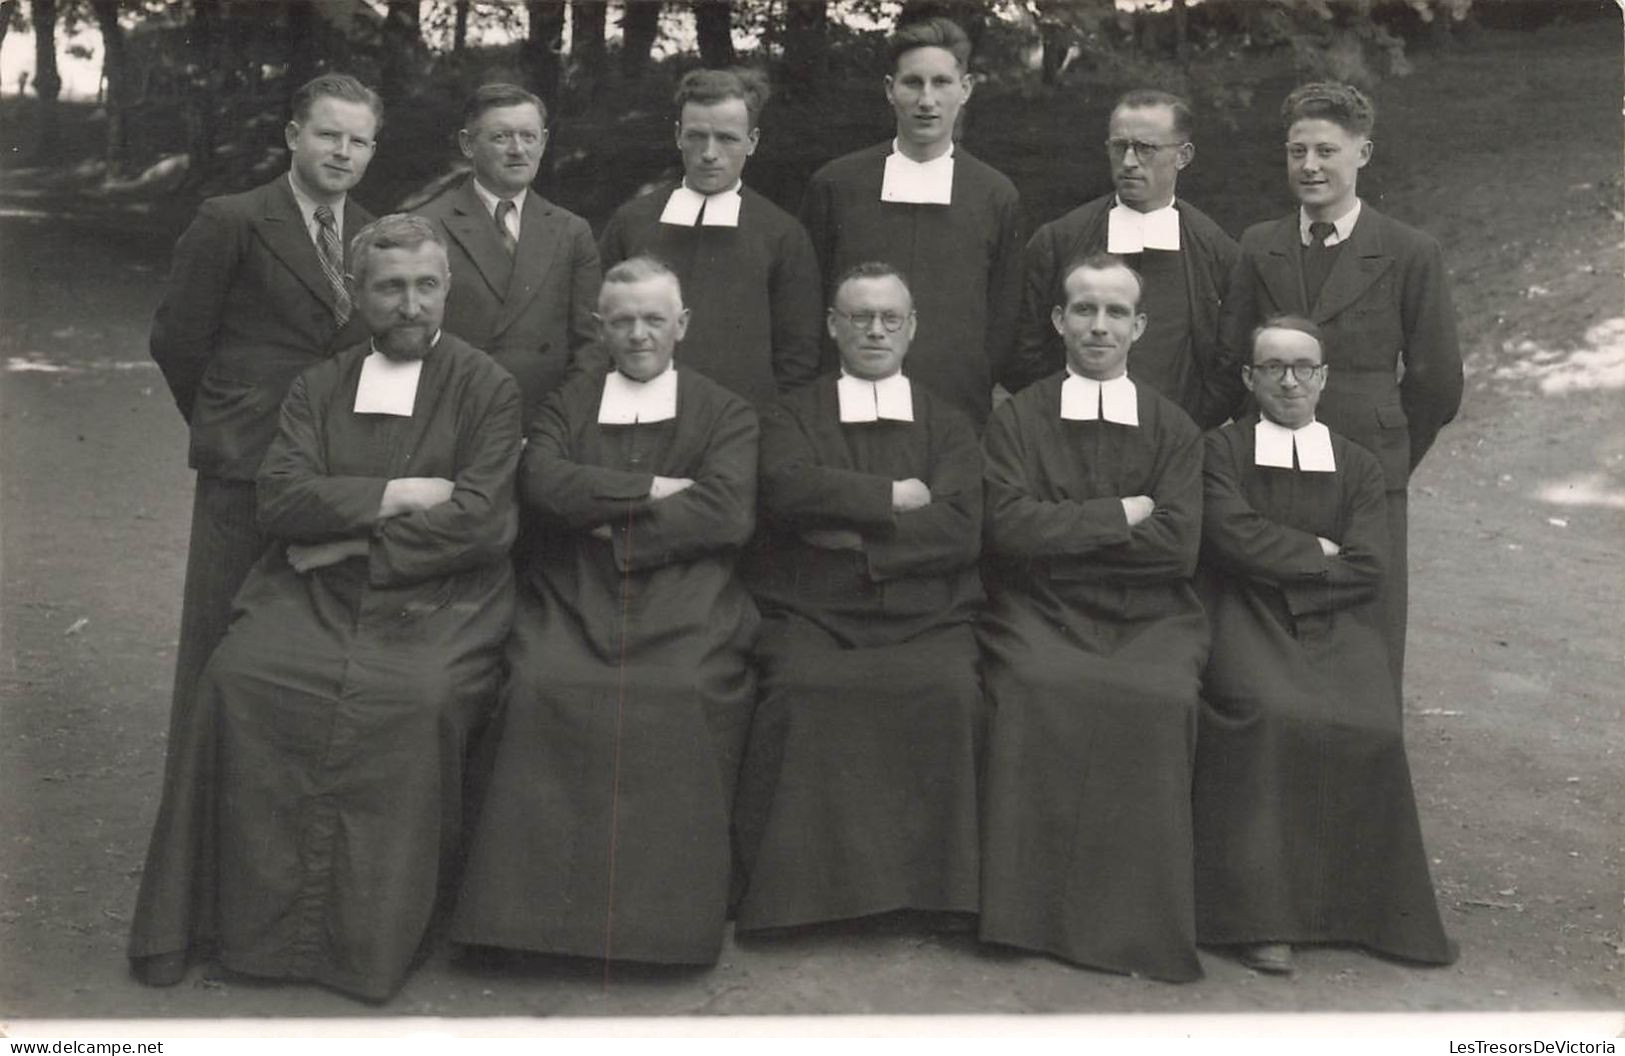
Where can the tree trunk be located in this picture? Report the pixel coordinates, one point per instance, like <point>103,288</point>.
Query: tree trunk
<point>1182,34</point>
<point>806,44</point>
<point>587,50</point>
<point>8,10</point>
<point>459,27</point>
<point>544,47</point>
<point>47,82</point>
<point>116,72</point>
<point>713,26</point>
<point>640,25</point>
<point>299,42</point>
<point>402,38</point>
<point>202,89</point>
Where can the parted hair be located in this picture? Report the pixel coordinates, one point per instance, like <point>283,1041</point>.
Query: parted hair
<point>637,269</point>
<point>496,95</point>
<point>1286,322</point>
<point>1101,261</point>
<point>715,86</point>
<point>395,231</point>
<point>871,269</point>
<point>1341,104</point>
<point>938,32</point>
<point>1143,97</point>
<point>336,86</point>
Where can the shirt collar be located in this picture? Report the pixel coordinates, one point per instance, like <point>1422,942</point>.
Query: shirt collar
<point>1087,400</point>
<point>1274,446</point>
<point>862,400</point>
<point>490,200</point>
<point>721,209</point>
<point>918,182</point>
<point>308,205</point>
<point>1130,231</point>
<point>628,402</point>
<point>1344,225</point>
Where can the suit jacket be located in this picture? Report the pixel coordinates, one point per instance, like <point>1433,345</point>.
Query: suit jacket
<point>246,310</point>
<point>531,312</point>
<point>1384,310</point>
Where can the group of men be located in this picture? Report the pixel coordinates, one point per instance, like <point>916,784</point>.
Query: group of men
<point>578,612</point>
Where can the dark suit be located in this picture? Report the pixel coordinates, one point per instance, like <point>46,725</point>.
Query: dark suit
<point>246,310</point>
<point>1385,306</point>
<point>531,312</point>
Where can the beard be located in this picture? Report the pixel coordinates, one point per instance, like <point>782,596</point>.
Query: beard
<point>404,343</point>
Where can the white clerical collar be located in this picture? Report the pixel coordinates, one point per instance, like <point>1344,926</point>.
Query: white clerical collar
<point>307,209</point>
<point>490,200</point>
<point>1344,225</point>
<point>918,182</point>
<point>1131,231</point>
<point>389,386</point>
<point>1087,400</point>
<point>627,402</point>
<point>1273,445</point>
<point>890,398</point>
<point>684,205</point>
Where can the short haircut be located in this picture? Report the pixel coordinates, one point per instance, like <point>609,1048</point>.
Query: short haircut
<point>706,87</point>
<point>871,269</point>
<point>1144,97</point>
<point>336,86</point>
<point>395,231</point>
<point>497,95</point>
<point>637,269</point>
<point>1285,322</point>
<point>1102,262</point>
<point>1341,104</point>
<point>930,33</point>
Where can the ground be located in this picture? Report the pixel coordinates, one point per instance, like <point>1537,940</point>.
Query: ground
<point>1508,151</point>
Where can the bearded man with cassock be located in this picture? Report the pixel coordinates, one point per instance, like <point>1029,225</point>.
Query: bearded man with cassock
<point>320,799</point>
<point>859,788</point>
<point>605,830</point>
<point>1306,827</point>
<point>1092,647</point>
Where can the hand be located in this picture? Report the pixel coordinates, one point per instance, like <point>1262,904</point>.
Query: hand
<point>603,531</point>
<point>1327,547</point>
<point>308,557</point>
<point>665,487</point>
<point>832,538</point>
<point>1137,508</point>
<point>910,494</point>
<point>410,494</point>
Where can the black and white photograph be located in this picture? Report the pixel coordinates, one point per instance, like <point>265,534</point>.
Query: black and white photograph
<point>1063,512</point>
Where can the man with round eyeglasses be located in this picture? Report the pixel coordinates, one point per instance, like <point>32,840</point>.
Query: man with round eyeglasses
<point>1305,822</point>
<point>1183,256</point>
<point>858,792</point>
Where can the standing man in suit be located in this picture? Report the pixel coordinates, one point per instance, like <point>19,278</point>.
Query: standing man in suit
<point>1375,287</point>
<point>256,294</point>
<point>527,270</point>
<point>944,219</point>
<point>1183,257</point>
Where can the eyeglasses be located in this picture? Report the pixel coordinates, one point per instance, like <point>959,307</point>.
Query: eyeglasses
<point>1303,370</point>
<point>892,321</point>
<point>1117,148</point>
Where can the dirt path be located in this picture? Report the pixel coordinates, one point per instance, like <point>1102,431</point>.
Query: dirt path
<point>1513,707</point>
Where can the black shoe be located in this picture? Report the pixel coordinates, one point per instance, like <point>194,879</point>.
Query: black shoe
<point>163,969</point>
<point>1272,957</point>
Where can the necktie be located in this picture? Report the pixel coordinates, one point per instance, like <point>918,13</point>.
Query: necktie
<point>504,232</point>
<point>1317,260</point>
<point>332,255</point>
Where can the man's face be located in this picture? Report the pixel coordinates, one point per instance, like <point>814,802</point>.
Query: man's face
<point>640,323</point>
<point>926,91</point>
<point>1323,163</point>
<point>505,145</point>
<point>331,146</point>
<point>1145,176</point>
<point>401,293</point>
<point>1099,321</point>
<point>715,139</point>
<point>1290,401</point>
<point>872,324</point>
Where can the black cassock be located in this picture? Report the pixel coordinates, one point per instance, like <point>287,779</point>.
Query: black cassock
<point>1093,644</point>
<point>320,801</point>
<point>605,831</point>
<point>1306,827</point>
<point>858,794</point>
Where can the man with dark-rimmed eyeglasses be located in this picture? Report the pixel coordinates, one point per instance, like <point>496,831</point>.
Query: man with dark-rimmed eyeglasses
<point>858,791</point>
<point>1183,256</point>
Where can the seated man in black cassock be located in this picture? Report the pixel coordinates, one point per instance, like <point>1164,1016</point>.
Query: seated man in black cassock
<point>605,830</point>
<point>1092,646</point>
<point>320,802</point>
<point>1306,827</point>
<point>859,788</point>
